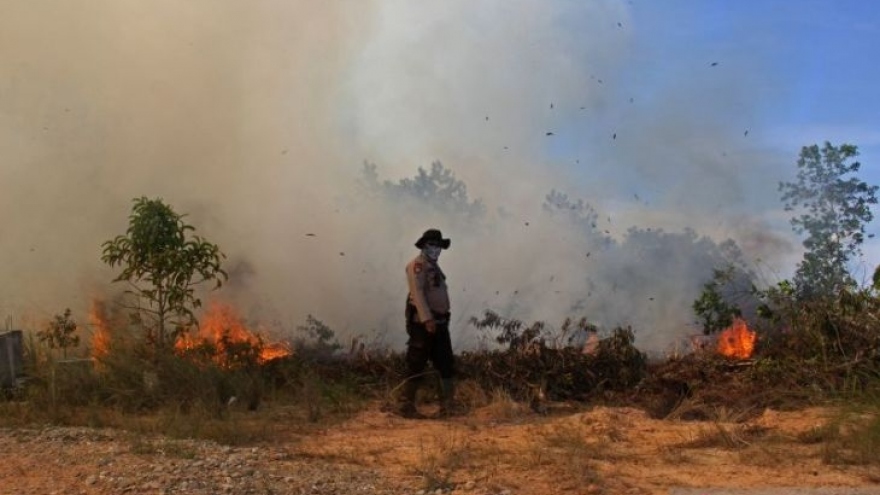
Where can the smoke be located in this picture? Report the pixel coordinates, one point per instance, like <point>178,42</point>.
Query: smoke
<point>224,109</point>
<point>255,118</point>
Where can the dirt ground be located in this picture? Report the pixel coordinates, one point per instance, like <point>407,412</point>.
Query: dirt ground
<point>502,448</point>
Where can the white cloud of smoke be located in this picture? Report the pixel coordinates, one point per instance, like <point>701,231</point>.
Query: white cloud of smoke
<point>254,118</point>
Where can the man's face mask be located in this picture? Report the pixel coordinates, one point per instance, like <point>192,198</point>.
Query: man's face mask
<point>432,252</point>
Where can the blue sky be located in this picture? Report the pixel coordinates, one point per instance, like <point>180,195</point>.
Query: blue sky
<point>819,58</point>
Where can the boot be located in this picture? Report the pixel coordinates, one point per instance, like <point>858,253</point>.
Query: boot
<point>447,397</point>
<point>407,406</point>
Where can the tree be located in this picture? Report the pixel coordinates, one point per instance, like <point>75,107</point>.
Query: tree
<point>438,188</point>
<point>579,212</point>
<point>714,308</point>
<point>163,263</point>
<point>834,208</point>
<point>59,333</point>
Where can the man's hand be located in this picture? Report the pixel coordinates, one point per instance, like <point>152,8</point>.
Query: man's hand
<point>430,326</point>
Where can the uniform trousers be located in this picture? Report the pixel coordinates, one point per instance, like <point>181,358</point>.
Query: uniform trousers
<point>424,346</point>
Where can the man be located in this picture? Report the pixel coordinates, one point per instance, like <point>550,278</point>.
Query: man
<point>427,324</point>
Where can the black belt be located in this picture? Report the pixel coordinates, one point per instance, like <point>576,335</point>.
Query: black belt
<point>440,317</point>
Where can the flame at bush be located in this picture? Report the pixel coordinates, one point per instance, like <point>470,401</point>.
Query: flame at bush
<point>222,331</point>
<point>737,341</point>
<point>101,334</point>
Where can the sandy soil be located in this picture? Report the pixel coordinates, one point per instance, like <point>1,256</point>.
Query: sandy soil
<point>502,448</point>
<point>603,450</point>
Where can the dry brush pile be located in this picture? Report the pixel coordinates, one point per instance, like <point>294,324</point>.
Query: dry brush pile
<point>806,354</point>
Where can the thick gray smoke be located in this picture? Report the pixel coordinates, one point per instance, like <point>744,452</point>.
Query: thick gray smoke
<point>255,118</point>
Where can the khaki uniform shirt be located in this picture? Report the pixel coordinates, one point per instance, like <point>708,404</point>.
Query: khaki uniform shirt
<point>427,288</point>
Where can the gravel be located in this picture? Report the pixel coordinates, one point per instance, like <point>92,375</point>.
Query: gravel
<point>73,460</point>
<point>840,490</point>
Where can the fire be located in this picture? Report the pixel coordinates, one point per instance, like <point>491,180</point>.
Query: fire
<point>101,336</point>
<point>220,325</point>
<point>591,346</point>
<point>737,341</point>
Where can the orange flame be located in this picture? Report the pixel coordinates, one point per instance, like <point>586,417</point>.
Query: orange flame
<point>101,337</point>
<point>737,341</point>
<point>591,346</point>
<point>220,325</point>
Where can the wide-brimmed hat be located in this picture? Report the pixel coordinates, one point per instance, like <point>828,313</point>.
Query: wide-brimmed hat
<point>435,236</point>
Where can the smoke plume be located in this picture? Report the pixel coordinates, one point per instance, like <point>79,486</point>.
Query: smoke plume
<point>256,118</point>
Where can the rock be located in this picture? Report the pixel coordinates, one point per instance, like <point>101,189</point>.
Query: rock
<point>150,485</point>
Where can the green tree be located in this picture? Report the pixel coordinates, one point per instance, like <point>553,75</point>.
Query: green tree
<point>163,262</point>
<point>60,333</point>
<point>833,207</point>
<point>714,308</point>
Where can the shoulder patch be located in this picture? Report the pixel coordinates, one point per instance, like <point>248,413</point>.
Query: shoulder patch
<point>417,267</point>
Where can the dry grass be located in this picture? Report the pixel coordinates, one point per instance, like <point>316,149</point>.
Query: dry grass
<point>139,444</point>
<point>720,435</point>
<point>471,395</point>
<point>502,407</point>
<point>849,437</point>
<point>441,458</point>
<point>853,439</point>
<point>815,435</point>
<point>449,458</point>
<point>571,452</point>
